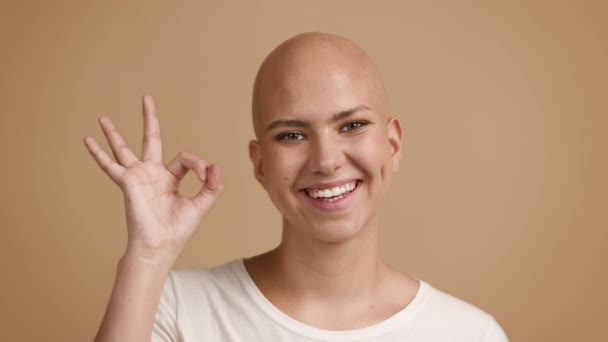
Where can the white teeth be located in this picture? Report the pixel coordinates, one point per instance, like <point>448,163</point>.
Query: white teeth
<point>333,192</point>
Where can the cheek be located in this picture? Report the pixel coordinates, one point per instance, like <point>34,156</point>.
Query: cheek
<point>373,157</point>
<point>280,167</point>
<point>374,152</point>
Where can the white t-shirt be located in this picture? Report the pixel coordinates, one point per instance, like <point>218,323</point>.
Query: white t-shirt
<point>224,304</point>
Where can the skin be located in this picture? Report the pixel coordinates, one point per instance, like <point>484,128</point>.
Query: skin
<point>327,271</point>
<point>159,222</point>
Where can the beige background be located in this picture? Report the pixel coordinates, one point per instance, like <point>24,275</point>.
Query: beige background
<point>501,198</point>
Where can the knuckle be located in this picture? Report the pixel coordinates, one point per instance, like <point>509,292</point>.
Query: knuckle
<point>104,166</point>
<point>148,138</point>
<point>111,132</point>
<point>99,154</point>
<point>190,156</point>
<point>153,134</point>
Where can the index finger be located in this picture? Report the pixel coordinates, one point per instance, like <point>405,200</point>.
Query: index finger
<point>152,147</point>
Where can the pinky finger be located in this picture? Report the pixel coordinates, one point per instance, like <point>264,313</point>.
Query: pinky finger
<point>111,168</point>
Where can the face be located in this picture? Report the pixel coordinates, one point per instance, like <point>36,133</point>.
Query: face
<point>326,151</point>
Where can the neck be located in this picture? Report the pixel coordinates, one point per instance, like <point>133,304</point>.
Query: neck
<point>331,285</point>
<point>328,271</point>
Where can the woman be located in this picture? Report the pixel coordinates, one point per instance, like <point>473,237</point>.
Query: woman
<point>325,151</point>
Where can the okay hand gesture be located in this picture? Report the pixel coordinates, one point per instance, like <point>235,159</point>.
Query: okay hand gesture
<point>159,220</point>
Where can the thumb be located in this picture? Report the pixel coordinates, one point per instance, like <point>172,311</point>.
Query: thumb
<point>210,190</point>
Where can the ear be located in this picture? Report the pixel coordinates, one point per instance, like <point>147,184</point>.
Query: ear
<point>395,139</point>
<point>255,156</point>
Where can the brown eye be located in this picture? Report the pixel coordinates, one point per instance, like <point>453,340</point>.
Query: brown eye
<point>352,126</point>
<point>290,136</point>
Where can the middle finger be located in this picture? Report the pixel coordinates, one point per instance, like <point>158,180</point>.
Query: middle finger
<point>121,151</point>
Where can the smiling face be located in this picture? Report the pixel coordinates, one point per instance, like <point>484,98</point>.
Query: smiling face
<point>326,149</point>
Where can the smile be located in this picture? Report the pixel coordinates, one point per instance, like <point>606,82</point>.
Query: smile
<point>332,194</point>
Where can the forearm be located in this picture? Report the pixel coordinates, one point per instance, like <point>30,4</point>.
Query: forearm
<point>134,300</point>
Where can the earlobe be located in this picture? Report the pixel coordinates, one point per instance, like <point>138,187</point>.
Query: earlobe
<point>395,139</point>
<point>256,161</point>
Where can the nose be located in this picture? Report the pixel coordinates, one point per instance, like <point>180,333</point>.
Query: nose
<point>326,155</point>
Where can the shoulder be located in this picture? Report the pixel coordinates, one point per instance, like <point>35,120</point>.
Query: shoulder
<point>439,302</point>
<point>194,283</point>
<point>194,300</point>
<point>439,309</point>
<point>216,273</point>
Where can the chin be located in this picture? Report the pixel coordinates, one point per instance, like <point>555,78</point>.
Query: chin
<point>334,232</point>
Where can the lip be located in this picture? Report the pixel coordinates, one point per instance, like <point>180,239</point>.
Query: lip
<point>339,204</point>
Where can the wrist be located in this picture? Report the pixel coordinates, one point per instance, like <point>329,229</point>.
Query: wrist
<point>153,259</point>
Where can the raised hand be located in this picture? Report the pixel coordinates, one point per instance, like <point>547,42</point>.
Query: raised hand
<point>159,220</point>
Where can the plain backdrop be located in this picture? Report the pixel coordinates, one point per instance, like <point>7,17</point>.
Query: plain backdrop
<point>500,199</point>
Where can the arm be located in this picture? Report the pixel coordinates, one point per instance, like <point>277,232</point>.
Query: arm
<point>134,300</point>
<point>159,222</point>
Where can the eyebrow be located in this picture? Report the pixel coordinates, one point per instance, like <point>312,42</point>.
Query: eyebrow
<point>299,123</point>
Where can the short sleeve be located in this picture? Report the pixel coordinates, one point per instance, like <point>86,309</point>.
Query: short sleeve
<point>165,322</point>
<point>494,333</point>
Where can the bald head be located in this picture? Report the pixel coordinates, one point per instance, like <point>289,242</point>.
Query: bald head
<point>309,66</point>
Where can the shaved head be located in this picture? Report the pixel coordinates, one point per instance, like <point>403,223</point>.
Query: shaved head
<point>308,63</point>
<point>321,121</point>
